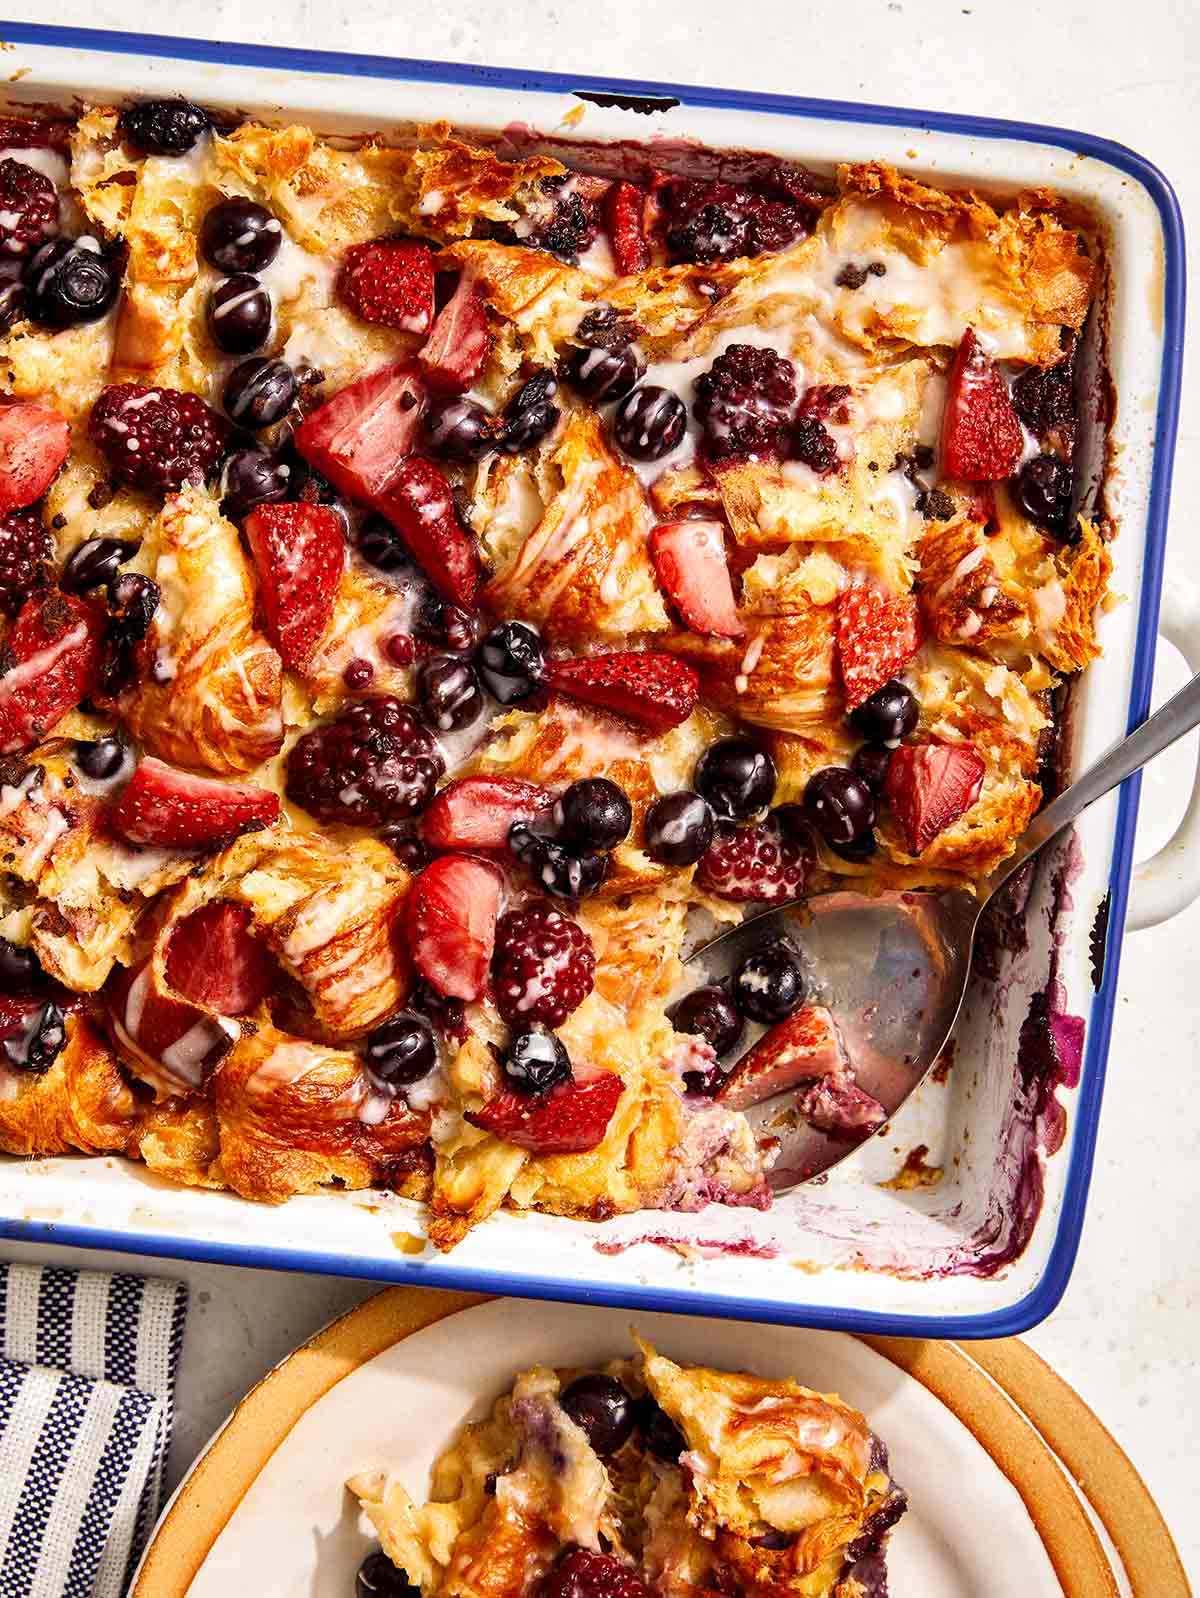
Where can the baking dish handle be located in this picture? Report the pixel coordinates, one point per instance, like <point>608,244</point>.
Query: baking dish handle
<point>1170,880</point>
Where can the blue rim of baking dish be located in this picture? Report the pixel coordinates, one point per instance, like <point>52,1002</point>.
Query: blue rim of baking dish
<point>1042,1299</point>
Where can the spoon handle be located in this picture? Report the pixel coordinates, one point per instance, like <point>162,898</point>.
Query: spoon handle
<point>1178,716</point>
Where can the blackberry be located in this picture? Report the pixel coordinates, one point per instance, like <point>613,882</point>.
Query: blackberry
<point>157,438</point>
<point>708,222</point>
<point>164,127</point>
<point>1044,398</point>
<point>812,443</point>
<point>28,208</point>
<point>745,403</point>
<point>572,220</point>
<point>375,764</point>
<point>26,549</point>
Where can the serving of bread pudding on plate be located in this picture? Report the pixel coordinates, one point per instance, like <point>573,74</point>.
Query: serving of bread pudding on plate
<point>441,588</point>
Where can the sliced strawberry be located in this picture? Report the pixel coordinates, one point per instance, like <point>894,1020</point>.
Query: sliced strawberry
<point>570,1119</point>
<point>34,442</point>
<point>163,1033</point>
<point>761,864</point>
<point>419,503</point>
<point>457,348</point>
<point>795,1051</point>
<point>651,688</point>
<point>359,437</point>
<point>981,435</point>
<point>55,646</point>
<point>299,551</point>
<point>176,810</point>
<point>477,812</point>
<point>624,222</point>
<point>689,558</point>
<point>838,1106</point>
<point>929,786</point>
<point>877,635</point>
<point>390,282</point>
<point>214,959</point>
<point>452,913</point>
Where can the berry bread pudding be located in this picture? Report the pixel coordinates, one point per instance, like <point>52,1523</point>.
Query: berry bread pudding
<point>644,1478</point>
<point>439,589</point>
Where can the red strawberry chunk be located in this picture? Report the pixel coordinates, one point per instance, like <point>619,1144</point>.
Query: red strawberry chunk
<point>929,786</point>
<point>164,1033</point>
<point>755,864</point>
<point>390,282</point>
<point>981,435</point>
<point>689,558</point>
<point>624,222</point>
<point>419,503</point>
<point>651,688</point>
<point>571,1119</point>
<point>299,551</point>
<point>877,635</point>
<point>359,437</point>
<point>457,348</point>
<point>34,442</point>
<point>54,645</point>
<point>214,959</point>
<point>175,810</point>
<point>452,911</point>
<point>477,812</point>
<point>795,1051</point>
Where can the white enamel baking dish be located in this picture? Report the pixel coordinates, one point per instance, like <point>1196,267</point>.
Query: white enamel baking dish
<point>988,1250</point>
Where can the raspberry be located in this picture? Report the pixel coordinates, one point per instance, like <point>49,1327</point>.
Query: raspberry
<point>375,764</point>
<point>25,549</point>
<point>544,966</point>
<point>157,438</point>
<point>812,443</point>
<point>755,864</point>
<point>581,1574</point>
<point>28,208</point>
<point>571,223</point>
<point>709,222</point>
<point>745,402</point>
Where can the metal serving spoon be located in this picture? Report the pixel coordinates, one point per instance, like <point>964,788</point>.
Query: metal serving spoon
<point>893,969</point>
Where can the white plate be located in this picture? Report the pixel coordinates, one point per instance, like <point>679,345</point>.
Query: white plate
<point>265,1509</point>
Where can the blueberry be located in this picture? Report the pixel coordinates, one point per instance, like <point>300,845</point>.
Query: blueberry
<point>380,543</point>
<point>70,282</point>
<point>14,299</point>
<point>239,235</point>
<point>19,968</point>
<point>412,851</point>
<point>164,127</point>
<point>378,1578</point>
<point>871,763</point>
<point>659,1432</point>
<point>102,758</point>
<point>511,661</point>
<point>860,851</point>
<point>402,1050</point>
<point>442,622</point>
<point>259,392</point>
<point>737,778</point>
<point>529,416</point>
<point>554,869</point>
<point>449,692</point>
<point>769,984</point>
<point>95,564</point>
<point>604,375</point>
<point>593,814</point>
<point>1043,490</point>
<point>602,1409</point>
<point>36,1046</point>
<point>132,602</point>
<point>840,805</point>
<point>649,422</point>
<point>458,430</point>
<point>239,314</point>
<point>251,477</point>
<point>536,1061</point>
<point>888,715</point>
<point>604,329</point>
<point>679,828</point>
<point>711,1014</point>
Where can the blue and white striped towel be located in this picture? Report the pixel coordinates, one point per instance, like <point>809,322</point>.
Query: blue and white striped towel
<point>87,1379</point>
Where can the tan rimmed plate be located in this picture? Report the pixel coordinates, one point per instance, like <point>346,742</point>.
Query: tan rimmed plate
<point>973,1432</point>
